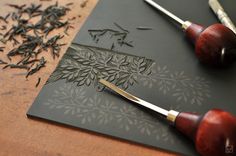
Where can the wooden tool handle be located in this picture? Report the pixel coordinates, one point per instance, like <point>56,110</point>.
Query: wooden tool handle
<point>214,133</point>
<point>214,45</point>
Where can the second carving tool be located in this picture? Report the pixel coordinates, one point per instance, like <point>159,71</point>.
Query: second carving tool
<point>214,45</point>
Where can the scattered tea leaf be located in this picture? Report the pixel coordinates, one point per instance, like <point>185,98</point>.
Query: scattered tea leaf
<point>2,49</point>
<point>41,64</point>
<point>144,28</point>
<point>2,62</point>
<point>84,3</point>
<point>118,26</point>
<point>16,66</point>
<point>38,82</point>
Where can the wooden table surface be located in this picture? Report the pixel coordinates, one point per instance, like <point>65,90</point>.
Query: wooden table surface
<point>27,137</point>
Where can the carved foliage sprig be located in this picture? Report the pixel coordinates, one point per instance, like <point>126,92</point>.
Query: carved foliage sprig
<point>95,110</point>
<point>178,84</point>
<point>84,65</point>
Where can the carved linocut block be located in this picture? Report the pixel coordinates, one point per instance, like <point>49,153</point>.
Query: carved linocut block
<point>73,95</point>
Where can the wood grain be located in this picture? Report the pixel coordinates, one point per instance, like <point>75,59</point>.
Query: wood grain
<point>26,137</point>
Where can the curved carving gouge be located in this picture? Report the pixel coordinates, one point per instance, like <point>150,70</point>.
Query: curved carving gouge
<point>214,45</point>
<point>213,133</point>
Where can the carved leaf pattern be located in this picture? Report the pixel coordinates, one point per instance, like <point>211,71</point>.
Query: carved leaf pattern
<point>97,110</point>
<point>177,84</point>
<point>84,65</point>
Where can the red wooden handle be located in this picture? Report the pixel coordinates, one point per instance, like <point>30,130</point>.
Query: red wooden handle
<point>214,45</point>
<point>214,133</point>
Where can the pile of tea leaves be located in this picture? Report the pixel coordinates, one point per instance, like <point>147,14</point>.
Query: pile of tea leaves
<point>26,29</point>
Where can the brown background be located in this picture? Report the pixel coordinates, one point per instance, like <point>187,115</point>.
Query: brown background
<point>22,136</point>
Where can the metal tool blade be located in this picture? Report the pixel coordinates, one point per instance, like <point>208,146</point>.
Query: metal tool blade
<point>184,24</point>
<point>163,10</point>
<point>134,99</point>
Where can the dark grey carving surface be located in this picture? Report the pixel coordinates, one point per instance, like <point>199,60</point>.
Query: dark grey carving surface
<point>160,68</point>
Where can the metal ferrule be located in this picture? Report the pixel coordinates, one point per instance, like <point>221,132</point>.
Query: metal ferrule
<point>186,24</point>
<point>172,115</point>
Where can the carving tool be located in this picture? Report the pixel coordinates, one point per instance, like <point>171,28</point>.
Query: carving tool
<point>213,133</point>
<point>214,45</point>
<point>221,14</point>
